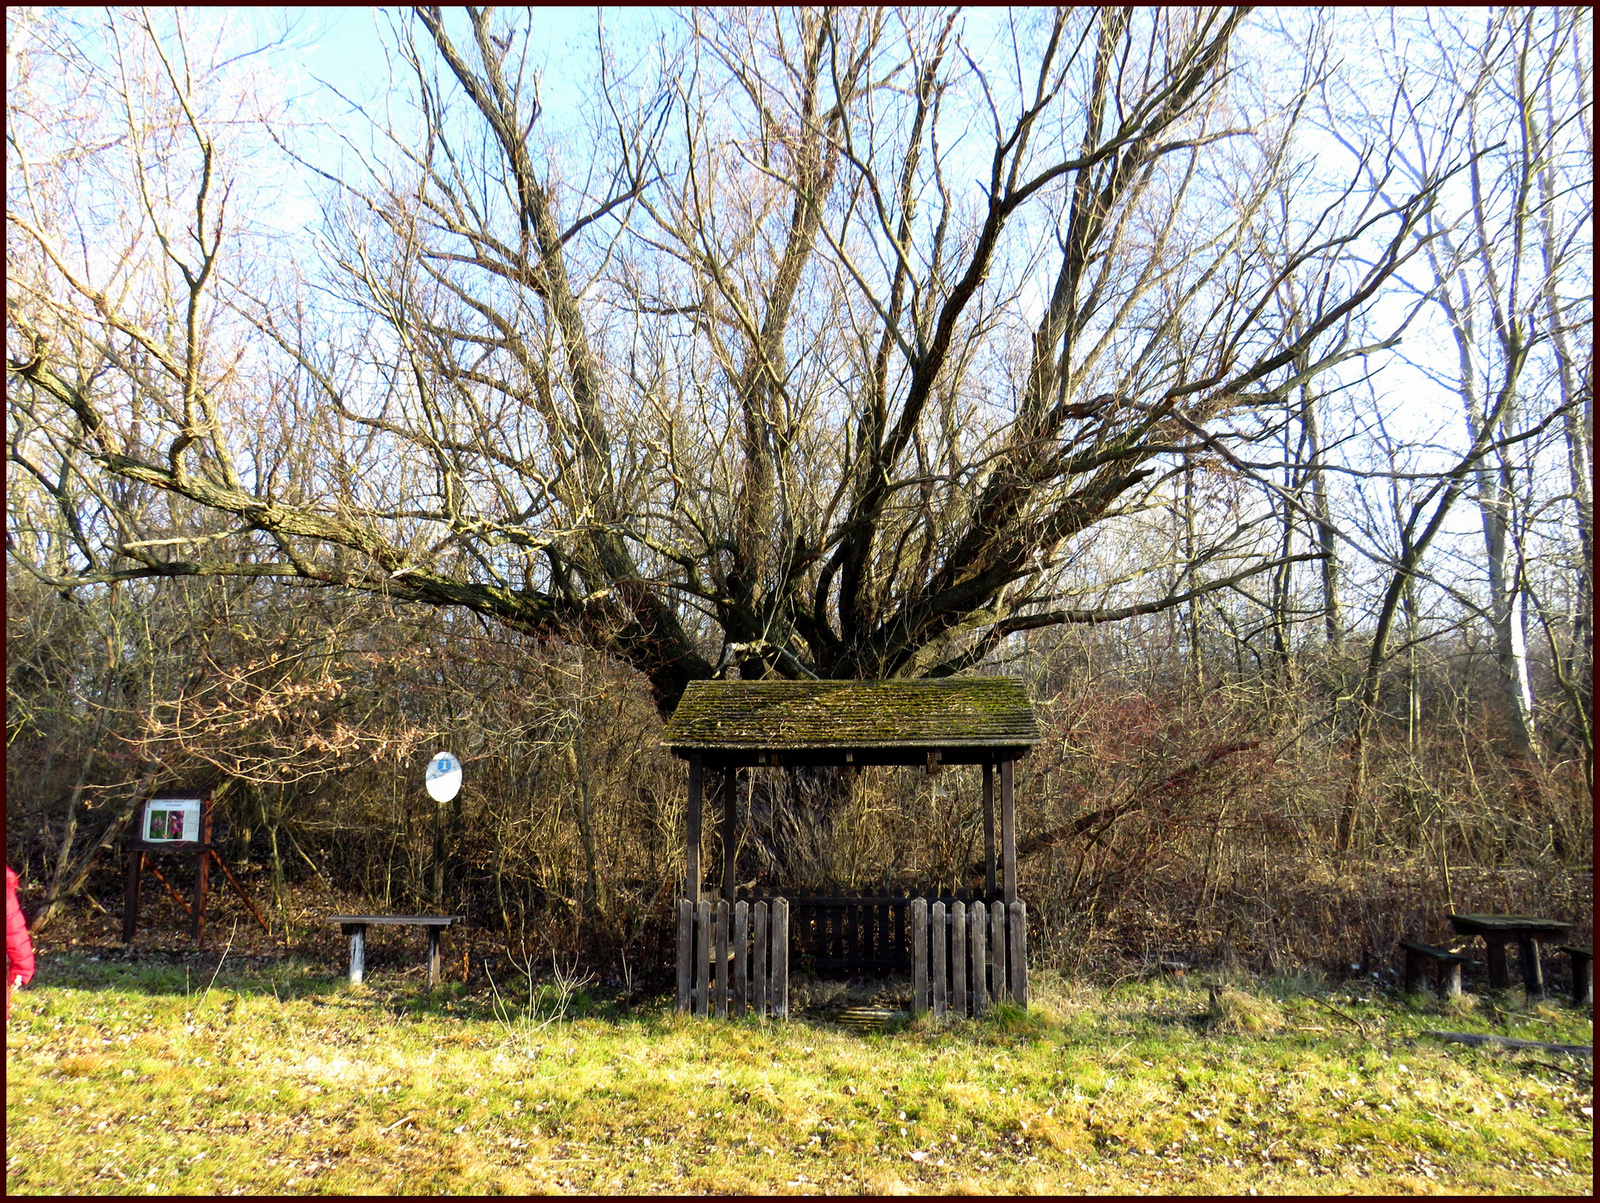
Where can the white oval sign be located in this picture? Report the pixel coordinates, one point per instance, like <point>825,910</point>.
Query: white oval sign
<point>444,777</point>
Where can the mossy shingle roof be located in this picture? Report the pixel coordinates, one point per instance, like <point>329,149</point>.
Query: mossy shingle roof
<point>955,712</point>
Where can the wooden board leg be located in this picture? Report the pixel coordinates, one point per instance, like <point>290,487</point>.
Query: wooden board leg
<point>1450,979</point>
<point>433,958</point>
<point>1532,970</point>
<point>358,953</point>
<point>1499,975</point>
<point>1413,968</point>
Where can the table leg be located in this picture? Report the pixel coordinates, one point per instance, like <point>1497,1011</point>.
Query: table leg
<point>358,952</point>
<point>433,958</point>
<point>1532,970</point>
<point>1499,976</point>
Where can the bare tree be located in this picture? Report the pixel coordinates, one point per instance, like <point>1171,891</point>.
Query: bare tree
<point>772,387</point>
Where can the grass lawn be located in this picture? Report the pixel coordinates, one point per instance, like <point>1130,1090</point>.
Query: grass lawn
<point>129,1077</point>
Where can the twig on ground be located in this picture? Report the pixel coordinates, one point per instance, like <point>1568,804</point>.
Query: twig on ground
<point>1360,1027</point>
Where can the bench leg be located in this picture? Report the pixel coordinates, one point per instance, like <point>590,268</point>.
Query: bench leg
<point>1532,971</point>
<point>433,958</point>
<point>1450,979</point>
<point>1499,975</point>
<point>358,953</point>
<point>1582,981</point>
<point>1412,970</point>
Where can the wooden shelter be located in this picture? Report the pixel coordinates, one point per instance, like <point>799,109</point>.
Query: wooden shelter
<point>722,726</point>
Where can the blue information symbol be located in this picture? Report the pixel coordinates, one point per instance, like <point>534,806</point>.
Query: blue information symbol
<point>444,777</point>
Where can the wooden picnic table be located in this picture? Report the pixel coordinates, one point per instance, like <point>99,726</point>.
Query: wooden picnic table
<point>355,926</point>
<point>1527,931</point>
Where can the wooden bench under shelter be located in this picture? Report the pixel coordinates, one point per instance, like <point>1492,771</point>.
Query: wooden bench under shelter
<point>963,949</point>
<point>1526,931</point>
<point>355,926</point>
<point>1447,966</point>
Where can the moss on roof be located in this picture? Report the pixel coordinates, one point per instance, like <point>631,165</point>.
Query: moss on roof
<point>949,712</point>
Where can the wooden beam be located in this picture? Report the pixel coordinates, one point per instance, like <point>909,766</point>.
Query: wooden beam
<point>691,858</point>
<point>1008,831</point>
<point>730,843</point>
<point>988,829</point>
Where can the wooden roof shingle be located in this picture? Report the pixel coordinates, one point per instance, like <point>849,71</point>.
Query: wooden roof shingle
<point>968,716</point>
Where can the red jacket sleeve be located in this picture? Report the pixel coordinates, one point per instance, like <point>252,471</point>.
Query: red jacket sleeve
<point>19,948</point>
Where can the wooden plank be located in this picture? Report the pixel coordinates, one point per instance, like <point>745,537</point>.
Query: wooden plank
<point>999,985</point>
<point>978,924</point>
<point>741,956</point>
<point>780,958</point>
<point>721,979</point>
<point>1008,831</point>
<point>958,957</point>
<point>760,967</point>
<point>919,955</point>
<point>691,857</point>
<point>685,954</point>
<point>938,955</point>
<point>1018,931</point>
<point>988,828</point>
<point>702,957</point>
<point>730,831</point>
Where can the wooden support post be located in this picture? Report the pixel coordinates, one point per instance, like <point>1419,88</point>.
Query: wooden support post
<point>685,954</point>
<point>130,895</point>
<point>760,967</point>
<point>978,922</point>
<point>691,857</point>
<point>919,955</point>
<point>988,830</point>
<point>730,834</point>
<point>1532,970</point>
<point>1008,830</point>
<point>1450,979</point>
<point>1413,969</point>
<point>433,957</point>
<point>1499,975</point>
<point>720,927</point>
<point>1018,932</point>
<point>202,867</point>
<point>358,952</point>
<point>702,957</point>
<point>780,958</point>
<point>958,958</point>
<point>999,985</point>
<point>938,955</point>
<point>741,956</point>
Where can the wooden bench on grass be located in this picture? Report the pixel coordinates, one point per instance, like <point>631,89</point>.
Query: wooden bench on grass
<point>1582,978</point>
<point>1447,967</point>
<point>355,926</point>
